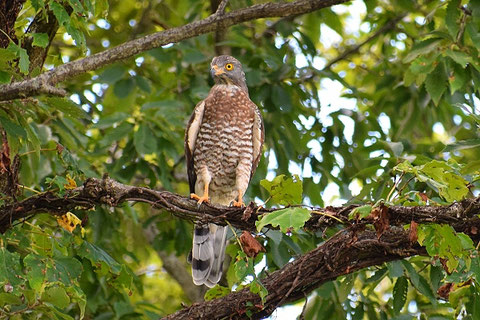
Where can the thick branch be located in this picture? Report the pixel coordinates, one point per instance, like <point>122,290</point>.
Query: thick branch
<point>112,193</point>
<point>346,252</point>
<point>355,247</point>
<point>50,78</point>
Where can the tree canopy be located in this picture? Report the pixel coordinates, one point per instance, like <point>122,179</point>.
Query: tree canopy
<point>365,201</point>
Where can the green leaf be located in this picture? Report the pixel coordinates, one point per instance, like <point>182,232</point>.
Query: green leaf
<point>122,308</point>
<point>400,291</point>
<point>37,4</point>
<point>124,87</point>
<point>395,269</point>
<point>77,36</point>
<point>22,54</point>
<point>243,266</point>
<point>281,99</point>
<point>457,79</point>
<point>287,219</point>
<point>40,40</point>
<point>422,65</point>
<point>284,190</point>
<point>59,181</point>
<point>10,269</point>
<point>5,77</point>
<point>64,269</point>
<point>67,106</point>
<point>422,48</point>
<point>360,212</point>
<point>435,83</point>
<point>216,292</point>
<point>459,57</point>
<point>12,129</point>
<point>9,299</point>
<point>60,13</point>
<point>419,282</point>
<point>257,287</point>
<point>99,258</point>
<point>143,83</point>
<point>456,187</point>
<point>56,296</point>
<point>77,6</point>
<point>36,269</point>
<point>462,144</point>
<point>144,140</point>
<point>451,18</point>
<point>112,74</point>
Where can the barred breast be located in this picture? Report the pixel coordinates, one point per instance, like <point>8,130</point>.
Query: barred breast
<point>224,143</point>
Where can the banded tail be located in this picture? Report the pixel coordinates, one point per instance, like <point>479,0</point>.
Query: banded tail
<point>208,253</point>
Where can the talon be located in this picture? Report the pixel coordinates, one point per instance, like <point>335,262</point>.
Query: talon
<point>199,199</point>
<point>238,203</point>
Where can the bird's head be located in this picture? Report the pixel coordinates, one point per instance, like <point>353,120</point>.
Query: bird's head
<point>228,70</point>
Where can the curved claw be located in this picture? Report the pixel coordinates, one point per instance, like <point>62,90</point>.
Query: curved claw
<point>239,204</point>
<point>199,199</point>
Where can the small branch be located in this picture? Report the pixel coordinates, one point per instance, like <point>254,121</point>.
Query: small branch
<point>128,49</point>
<point>386,27</point>
<point>221,8</point>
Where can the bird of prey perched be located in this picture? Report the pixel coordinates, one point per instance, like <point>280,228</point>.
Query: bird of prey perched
<point>223,144</point>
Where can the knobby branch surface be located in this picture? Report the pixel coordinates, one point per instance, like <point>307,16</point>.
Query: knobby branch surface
<point>45,83</point>
<point>355,247</point>
<point>348,251</point>
<point>112,193</point>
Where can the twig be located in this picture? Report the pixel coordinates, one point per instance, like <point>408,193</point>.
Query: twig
<point>388,26</point>
<point>45,82</point>
<point>221,7</point>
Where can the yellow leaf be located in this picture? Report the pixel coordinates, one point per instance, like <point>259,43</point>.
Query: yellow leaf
<point>71,183</point>
<point>69,221</point>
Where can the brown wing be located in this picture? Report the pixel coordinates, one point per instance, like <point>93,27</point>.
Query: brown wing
<point>258,136</point>
<point>193,127</point>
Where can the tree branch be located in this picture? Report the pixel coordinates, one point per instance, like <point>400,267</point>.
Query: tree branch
<point>44,22</point>
<point>351,249</point>
<point>386,27</point>
<point>109,192</point>
<point>128,49</point>
<point>348,251</point>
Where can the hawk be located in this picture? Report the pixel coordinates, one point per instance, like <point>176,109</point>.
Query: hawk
<point>223,144</point>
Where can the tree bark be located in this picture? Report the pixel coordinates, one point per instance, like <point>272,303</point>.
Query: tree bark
<point>355,247</point>
<point>9,10</point>
<point>45,83</point>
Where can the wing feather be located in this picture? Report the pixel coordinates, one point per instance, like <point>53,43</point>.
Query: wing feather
<point>258,136</point>
<point>191,133</point>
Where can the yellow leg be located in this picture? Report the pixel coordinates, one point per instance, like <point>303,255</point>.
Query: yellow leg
<point>239,203</point>
<point>203,198</point>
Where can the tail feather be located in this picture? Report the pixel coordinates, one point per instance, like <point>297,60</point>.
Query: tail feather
<point>208,253</point>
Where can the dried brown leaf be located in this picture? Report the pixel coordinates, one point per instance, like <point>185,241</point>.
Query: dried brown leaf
<point>250,245</point>
<point>412,234</point>
<point>444,291</point>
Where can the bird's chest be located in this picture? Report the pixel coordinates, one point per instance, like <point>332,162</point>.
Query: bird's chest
<point>225,135</point>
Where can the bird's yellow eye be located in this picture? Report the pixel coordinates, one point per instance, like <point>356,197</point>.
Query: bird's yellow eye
<point>229,66</point>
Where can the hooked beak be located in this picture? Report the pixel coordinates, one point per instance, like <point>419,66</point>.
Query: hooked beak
<point>216,71</point>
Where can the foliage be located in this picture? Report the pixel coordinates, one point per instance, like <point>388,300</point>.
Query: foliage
<point>404,130</point>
